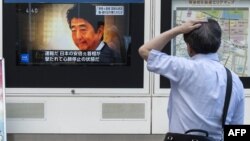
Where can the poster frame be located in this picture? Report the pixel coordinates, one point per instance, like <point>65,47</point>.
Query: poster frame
<point>162,85</point>
<point>3,134</point>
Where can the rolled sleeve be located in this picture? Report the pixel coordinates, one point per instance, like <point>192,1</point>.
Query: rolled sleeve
<point>153,59</point>
<point>164,64</point>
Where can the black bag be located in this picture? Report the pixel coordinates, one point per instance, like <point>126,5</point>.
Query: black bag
<point>191,137</point>
<point>188,137</point>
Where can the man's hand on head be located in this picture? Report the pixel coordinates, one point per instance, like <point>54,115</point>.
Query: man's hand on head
<point>189,25</point>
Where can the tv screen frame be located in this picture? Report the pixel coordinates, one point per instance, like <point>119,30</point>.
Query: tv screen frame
<point>65,80</point>
<point>3,133</point>
<point>162,86</point>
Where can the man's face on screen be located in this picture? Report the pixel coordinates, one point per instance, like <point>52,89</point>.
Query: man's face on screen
<point>84,35</point>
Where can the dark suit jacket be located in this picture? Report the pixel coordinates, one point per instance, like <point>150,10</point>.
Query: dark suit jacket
<point>109,56</point>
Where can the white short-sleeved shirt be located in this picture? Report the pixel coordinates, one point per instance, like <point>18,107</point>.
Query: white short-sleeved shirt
<point>198,87</point>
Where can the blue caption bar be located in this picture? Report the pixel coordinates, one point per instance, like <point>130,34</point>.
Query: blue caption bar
<point>73,1</point>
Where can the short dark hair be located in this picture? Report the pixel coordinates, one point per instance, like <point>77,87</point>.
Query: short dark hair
<point>205,39</point>
<point>87,12</point>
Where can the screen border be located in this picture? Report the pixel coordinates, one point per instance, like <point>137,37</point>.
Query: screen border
<point>136,84</point>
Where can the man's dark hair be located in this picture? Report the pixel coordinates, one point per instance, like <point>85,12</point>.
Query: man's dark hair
<point>206,38</point>
<point>87,12</point>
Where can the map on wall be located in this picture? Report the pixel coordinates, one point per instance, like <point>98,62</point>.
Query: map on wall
<point>234,51</point>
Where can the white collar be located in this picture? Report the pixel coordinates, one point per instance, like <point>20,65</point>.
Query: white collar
<point>100,46</point>
<point>211,56</point>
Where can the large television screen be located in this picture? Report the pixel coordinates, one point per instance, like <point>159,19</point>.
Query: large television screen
<point>233,18</point>
<point>72,34</point>
<point>73,43</point>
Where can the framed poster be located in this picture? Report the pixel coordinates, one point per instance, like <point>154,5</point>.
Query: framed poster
<point>3,134</point>
<point>233,17</point>
<point>47,52</point>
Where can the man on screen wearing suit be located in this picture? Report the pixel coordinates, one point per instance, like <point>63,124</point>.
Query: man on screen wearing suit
<point>87,32</point>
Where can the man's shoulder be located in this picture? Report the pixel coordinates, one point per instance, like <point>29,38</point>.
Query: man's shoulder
<point>106,48</point>
<point>236,78</point>
<point>238,86</point>
<point>109,54</point>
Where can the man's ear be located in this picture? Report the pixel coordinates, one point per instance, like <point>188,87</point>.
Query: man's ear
<point>191,51</point>
<point>100,31</point>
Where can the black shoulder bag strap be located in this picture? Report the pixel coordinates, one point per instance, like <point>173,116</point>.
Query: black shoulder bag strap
<point>227,97</point>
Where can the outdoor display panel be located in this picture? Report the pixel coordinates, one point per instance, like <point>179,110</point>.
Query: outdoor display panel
<point>2,103</point>
<point>234,21</point>
<point>43,49</point>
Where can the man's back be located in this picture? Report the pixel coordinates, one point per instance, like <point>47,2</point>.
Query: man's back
<point>198,88</point>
